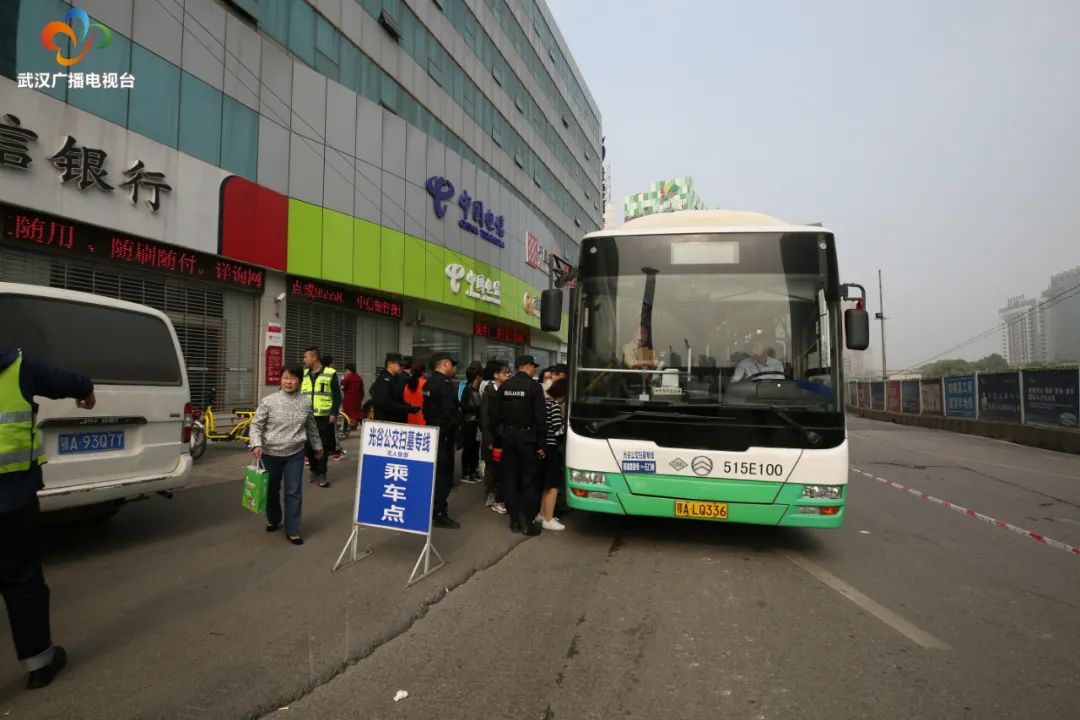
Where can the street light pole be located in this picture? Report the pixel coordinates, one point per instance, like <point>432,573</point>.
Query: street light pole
<point>881,316</point>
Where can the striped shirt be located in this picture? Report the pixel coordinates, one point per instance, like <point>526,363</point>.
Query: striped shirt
<point>556,433</point>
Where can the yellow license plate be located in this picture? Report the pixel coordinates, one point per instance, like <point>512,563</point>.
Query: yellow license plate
<point>705,510</point>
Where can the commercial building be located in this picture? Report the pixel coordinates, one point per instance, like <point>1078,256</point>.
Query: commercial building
<point>1023,341</point>
<point>372,175</point>
<point>1060,308</point>
<point>663,196</point>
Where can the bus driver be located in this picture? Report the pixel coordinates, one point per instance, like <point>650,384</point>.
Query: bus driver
<point>758,366</point>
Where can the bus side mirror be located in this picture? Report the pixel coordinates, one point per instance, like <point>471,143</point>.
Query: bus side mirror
<point>857,329</point>
<point>551,310</point>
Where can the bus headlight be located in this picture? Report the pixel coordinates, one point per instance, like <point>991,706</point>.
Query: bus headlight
<point>590,477</point>
<point>822,492</point>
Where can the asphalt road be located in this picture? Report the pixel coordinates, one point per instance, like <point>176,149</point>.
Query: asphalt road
<point>187,609</point>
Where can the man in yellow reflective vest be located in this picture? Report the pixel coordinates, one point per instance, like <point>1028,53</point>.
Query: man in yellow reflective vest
<point>22,581</point>
<point>322,385</point>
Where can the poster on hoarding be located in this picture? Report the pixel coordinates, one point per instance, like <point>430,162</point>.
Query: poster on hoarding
<point>930,397</point>
<point>1052,397</point>
<point>892,396</point>
<point>909,397</point>
<point>877,395</point>
<point>960,396</point>
<point>864,395</point>
<point>999,396</point>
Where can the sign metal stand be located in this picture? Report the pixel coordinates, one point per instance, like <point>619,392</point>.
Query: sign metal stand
<point>350,547</point>
<point>425,557</point>
<point>395,490</point>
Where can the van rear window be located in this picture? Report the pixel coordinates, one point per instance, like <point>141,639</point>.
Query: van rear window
<point>109,345</point>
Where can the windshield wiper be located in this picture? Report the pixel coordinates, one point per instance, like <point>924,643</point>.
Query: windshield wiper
<point>597,425</point>
<point>811,437</point>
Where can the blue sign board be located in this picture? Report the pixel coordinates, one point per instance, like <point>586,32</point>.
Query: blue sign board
<point>1052,397</point>
<point>475,218</point>
<point>877,396</point>
<point>909,396</point>
<point>396,481</point>
<point>639,461</point>
<point>999,396</point>
<point>960,396</point>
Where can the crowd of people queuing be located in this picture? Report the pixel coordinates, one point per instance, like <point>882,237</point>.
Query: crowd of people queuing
<point>508,422</point>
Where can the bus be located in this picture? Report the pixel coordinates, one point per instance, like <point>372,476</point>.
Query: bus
<point>706,369</point>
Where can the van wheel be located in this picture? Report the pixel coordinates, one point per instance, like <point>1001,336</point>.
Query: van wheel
<point>198,443</point>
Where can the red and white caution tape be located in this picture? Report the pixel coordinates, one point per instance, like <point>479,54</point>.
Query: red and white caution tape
<point>971,513</point>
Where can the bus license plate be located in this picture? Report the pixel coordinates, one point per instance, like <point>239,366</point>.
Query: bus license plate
<point>90,442</point>
<point>703,510</point>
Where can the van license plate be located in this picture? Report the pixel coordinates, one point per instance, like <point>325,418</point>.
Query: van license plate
<point>704,510</point>
<point>89,442</point>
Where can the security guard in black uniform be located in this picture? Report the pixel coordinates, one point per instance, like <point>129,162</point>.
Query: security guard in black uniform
<point>387,400</point>
<point>441,410</point>
<point>519,419</point>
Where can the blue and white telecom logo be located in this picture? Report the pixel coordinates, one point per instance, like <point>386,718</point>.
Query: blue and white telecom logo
<point>639,461</point>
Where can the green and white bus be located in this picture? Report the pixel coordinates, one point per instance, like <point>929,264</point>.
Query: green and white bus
<point>706,370</point>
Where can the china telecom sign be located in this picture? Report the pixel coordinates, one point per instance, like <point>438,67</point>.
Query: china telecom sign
<point>475,218</point>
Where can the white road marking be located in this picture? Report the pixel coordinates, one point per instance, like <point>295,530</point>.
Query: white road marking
<point>906,628</point>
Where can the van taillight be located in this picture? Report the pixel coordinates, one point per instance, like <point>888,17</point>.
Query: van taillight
<point>185,430</point>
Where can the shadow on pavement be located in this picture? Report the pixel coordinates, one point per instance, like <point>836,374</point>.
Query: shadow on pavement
<point>718,535</point>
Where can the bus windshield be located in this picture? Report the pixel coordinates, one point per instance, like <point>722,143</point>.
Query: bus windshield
<point>741,319</point>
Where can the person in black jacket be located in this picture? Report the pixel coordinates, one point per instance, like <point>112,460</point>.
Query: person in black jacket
<point>386,392</point>
<point>520,421</point>
<point>441,410</point>
<point>22,580</point>
<point>470,410</point>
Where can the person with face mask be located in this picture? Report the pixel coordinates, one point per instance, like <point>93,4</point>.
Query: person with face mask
<point>283,425</point>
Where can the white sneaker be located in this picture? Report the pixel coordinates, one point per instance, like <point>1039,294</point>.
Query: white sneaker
<point>499,508</point>
<point>539,518</point>
<point>553,524</point>
<point>490,500</point>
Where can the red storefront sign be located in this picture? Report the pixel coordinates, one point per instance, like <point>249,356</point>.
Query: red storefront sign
<point>342,297</point>
<point>29,228</point>
<point>483,328</point>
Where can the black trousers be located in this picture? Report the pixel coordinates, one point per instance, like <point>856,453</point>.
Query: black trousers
<point>328,436</point>
<point>444,474</point>
<point>518,470</point>
<point>470,453</point>
<point>22,581</point>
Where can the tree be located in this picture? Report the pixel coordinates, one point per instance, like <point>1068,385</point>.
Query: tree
<point>945,368</point>
<point>992,363</point>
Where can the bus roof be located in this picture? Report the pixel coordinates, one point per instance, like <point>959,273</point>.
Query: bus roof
<point>703,221</point>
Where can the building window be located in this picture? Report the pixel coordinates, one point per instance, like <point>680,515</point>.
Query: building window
<point>239,139</point>
<point>274,20</point>
<point>427,341</point>
<point>200,119</point>
<point>111,104</point>
<point>327,46</point>
<point>155,99</point>
<point>302,31</point>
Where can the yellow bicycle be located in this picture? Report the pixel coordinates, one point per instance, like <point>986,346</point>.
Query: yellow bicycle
<point>205,427</point>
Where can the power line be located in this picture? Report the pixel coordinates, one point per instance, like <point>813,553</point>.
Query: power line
<point>1044,305</point>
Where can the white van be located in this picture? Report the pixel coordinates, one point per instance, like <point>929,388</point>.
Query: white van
<point>136,439</point>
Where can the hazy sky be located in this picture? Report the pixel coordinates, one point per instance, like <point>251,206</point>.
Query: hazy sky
<point>940,141</point>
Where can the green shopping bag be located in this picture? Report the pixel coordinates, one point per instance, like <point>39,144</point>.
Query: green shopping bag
<point>256,484</point>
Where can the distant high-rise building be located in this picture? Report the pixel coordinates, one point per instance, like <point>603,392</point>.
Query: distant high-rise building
<point>663,196</point>
<point>1060,310</point>
<point>1022,339</point>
